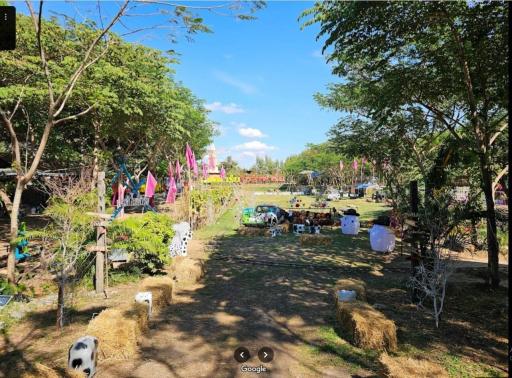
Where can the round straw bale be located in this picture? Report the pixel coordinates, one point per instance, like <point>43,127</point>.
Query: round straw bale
<point>351,284</point>
<point>365,326</point>
<point>398,367</point>
<point>161,289</point>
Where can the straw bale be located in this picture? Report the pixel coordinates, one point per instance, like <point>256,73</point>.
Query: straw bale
<point>39,371</point>
<point>161,289</point>
<point>252,231</point>
<point>188,270</point>
<point>399,367</point>
<point>351,284</point>
<point>315,239</point>
<point>365,326</point>
<point>286,227</point>
<point>117,330</point>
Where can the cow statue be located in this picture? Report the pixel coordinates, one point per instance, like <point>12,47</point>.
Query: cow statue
<point>83,355</point>
<point>145,297</point>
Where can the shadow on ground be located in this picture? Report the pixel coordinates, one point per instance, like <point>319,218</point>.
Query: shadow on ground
<point>290,309</point>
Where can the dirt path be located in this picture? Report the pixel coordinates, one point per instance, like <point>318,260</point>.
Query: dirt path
<point>237,305</point>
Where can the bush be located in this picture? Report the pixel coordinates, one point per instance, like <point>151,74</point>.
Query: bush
<point>215,196</point>
<point>146,237</point>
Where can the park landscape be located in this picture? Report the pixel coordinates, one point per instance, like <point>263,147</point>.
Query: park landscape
<point>104,150</point>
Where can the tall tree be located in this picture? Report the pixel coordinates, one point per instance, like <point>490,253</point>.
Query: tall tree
<point>447,60</point>
<point>62,76</point>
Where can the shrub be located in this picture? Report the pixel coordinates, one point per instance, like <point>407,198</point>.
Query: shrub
<point>146,237</point>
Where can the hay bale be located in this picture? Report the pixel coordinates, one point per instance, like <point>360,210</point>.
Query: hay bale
<point>315,239</point>
<point>161,288</point>
<point>351,284</point>
<point>365,326</point>
<point>39,371</point>
<point>398,367</point>
<point>286,227</point>
<point>188,270</point>
<point>117,330</point>
<point>252,231</point>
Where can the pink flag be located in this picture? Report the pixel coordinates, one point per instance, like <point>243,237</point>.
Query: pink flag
<point>178,170</point>
<point>150,185</point>
<point>194,164</point>
<point>363,161</point>
<point>205,169</point>
<point>341,165</point>
<point>354,164</point>
<point>188,156</point>
<point>171,193</point>
<point>222,173</point>
<point>120,197</point>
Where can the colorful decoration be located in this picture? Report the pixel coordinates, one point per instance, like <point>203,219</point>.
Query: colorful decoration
<point>205,170</point>
<point>354,164</point>
<point>171,193</point>
<point>189,157</point>
<point>150,186</point>
<point>194,165</point>
<point>120,198</point>
<point>222,173</point>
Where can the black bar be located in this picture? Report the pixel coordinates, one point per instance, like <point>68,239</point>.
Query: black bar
<point>7,28</point>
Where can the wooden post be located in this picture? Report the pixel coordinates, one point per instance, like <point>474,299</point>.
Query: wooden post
<point>101,237</point>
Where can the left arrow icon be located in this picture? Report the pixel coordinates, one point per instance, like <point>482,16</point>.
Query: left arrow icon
<point>242,354</point>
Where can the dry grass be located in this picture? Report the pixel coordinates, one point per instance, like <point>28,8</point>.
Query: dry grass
<point>161,289</point>
<point>187,270</point>
<point>365,326</point>
<point>399,367</point>
<point>351,284</point>
<point>315,239</point>
<point>41,371</point>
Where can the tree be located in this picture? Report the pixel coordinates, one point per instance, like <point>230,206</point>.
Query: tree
<point>266,165</point>
<point>69,231</point>
<point>54,79</point>
<point>446,61</point>
<point>231,166</point>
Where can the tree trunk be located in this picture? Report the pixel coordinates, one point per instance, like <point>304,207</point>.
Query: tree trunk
<point>492,240</point>
<point>60,304</point>
<point>11,259</point>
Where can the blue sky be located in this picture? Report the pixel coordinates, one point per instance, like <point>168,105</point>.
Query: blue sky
<point>258,77</point>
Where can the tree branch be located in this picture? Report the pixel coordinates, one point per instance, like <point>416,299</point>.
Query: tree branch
<point>15,145</point>
<point>496,135</point>
<point>63,97</point>
<point>37,25</point>
<point>70,118</point>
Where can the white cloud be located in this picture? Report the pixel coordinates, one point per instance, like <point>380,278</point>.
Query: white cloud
<point>230,108</point>
<point>255,146</point>
<point>249,132</point>
<point>234,82</point>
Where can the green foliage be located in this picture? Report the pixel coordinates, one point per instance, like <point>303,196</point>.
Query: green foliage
<point>7,288</point>
<point>266,165</point>
<point>316,157</point>
<point>217,196</point>
<point>146,237</point>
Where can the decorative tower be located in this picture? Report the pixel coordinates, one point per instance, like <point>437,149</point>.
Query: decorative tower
<point>212,159</point>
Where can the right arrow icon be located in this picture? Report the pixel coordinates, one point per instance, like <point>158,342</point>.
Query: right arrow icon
<point>266,354</point>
